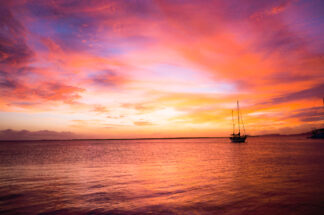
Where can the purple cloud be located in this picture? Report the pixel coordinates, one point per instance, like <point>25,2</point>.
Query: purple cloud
<point>314,92</point>
<point>13,47</point>
<point>309,114</point>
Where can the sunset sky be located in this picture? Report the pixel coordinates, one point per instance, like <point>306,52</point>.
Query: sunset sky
<point>168,68</point>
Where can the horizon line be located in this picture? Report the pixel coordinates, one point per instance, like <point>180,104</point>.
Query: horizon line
<point>144,138</point>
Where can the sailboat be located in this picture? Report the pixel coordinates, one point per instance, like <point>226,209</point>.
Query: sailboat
<point>237,137</point>
<point>318,133</point>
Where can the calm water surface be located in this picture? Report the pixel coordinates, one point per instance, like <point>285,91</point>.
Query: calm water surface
<point>186,176</point>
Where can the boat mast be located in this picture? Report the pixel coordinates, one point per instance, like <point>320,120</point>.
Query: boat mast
<point>238,116</point>
<point>233,122</point>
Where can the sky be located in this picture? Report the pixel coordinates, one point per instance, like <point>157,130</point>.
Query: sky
<point>159,68</point>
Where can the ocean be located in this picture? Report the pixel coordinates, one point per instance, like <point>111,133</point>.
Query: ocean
<point>266,175</point>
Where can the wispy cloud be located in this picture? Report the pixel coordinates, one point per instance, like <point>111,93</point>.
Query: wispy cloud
<point>313,92</point>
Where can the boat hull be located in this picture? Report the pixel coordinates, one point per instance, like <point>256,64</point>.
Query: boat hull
<point>240,139</point>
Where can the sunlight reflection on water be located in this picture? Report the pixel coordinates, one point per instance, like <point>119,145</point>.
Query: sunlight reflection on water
<point>184,176</point>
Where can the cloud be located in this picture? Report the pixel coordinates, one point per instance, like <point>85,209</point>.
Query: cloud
<point>19,83</point>
<point>25,104</point>
<point>44,91</point>
<point>10,134</point>
<point>100,109</point>
<point>106,78</point>
<point>313,114</point>
<point>58,91</point>
<point>142,123</point>
<point>271,9</point>
<point>13,47</point>
<point>6,81</point>
<point>82,25</point>
<point>141,108</point>
<point>313,92</point>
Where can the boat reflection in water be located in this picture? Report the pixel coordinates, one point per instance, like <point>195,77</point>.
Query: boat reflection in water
<point>237,137</point>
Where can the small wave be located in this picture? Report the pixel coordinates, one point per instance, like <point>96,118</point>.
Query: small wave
<point>10,197</point>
